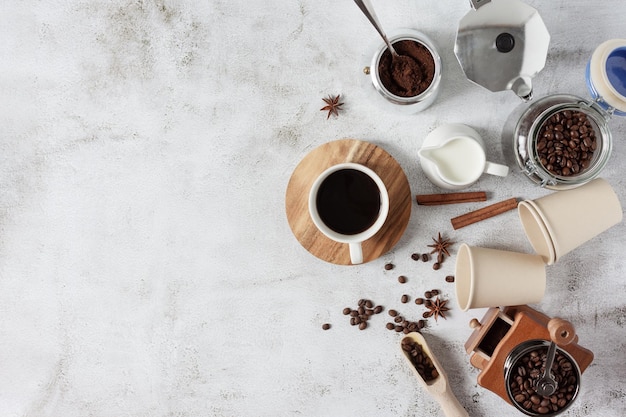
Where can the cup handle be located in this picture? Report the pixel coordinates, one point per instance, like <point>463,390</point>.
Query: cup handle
<point>356,253</point>
<point>496,169</point>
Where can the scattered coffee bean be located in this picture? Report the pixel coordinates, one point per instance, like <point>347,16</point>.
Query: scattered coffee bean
<point>404,299</point>
<point>527,372</point>
<point>359,316</point>
<point>425,257</point>
<point>436,265</point>
<point>427,303</point>
<point>388,266</point>
<point>422,362</point>
<point>405,326</point>
<point>326,326</point>
<point>393,313</point>
<point>419,301</point>
<point>402,279</point>
<point>450,278</point>
<point>428,294</point>
<point>416,256</point>
<point>434,292</point>
<point>566,143</point>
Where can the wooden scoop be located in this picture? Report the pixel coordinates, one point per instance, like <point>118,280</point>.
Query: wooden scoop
<point>438,387</point>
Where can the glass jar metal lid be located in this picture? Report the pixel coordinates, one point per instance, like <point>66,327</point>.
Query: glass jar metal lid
<point>606,76</point>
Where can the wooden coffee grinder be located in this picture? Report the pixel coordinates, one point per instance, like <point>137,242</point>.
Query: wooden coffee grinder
<point>502,332</point>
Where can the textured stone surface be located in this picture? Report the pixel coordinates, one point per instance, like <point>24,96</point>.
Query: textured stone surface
<point>146,264</point>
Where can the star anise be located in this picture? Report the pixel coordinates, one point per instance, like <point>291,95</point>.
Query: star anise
<point>332,105</point>
<point>440,247</point>
<point>436,308</point>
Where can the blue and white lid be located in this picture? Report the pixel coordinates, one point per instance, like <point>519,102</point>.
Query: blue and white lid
<point>606,76</point>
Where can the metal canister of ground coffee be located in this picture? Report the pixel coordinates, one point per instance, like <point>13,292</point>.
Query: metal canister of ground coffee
<point>422,92</point>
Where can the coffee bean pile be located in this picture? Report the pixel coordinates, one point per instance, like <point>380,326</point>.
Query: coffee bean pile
<point>360,315</point>
<point>529,369</point>
<point>402,325</point>
<point>566,143</point>
<point>422,362</point>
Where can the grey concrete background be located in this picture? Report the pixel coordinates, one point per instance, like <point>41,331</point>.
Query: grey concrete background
<point>146,264</point>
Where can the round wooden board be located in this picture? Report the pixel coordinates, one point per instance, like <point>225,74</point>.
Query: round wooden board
<point>325,156</point>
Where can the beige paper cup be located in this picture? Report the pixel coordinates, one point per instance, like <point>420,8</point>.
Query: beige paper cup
<point>494,278</point>
<point>560,222</point>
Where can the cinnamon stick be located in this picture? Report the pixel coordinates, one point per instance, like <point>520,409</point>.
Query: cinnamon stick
<point>450,198</point>
<point>483,213</point>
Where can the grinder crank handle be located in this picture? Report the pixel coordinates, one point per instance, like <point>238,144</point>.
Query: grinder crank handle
<point>561,331</point>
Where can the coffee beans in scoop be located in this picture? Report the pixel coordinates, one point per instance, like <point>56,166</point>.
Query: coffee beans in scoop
<point>566,143</point>
<point>422,362</point>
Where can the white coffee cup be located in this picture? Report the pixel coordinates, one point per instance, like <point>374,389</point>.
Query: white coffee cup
<point>494,278</point>
<point>453,157</point>
<point>560,222</point>
<point>349,203</point>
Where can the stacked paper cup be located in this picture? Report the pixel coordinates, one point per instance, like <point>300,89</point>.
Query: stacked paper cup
<point>554,226</point>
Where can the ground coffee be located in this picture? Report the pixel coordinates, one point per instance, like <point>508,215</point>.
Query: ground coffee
<point>407,77</point>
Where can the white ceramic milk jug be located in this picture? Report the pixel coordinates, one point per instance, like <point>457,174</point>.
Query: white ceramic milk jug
<point>453,157</point>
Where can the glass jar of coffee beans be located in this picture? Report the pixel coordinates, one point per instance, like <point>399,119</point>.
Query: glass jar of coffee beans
<point>561,141</point>
<point>525,365</point>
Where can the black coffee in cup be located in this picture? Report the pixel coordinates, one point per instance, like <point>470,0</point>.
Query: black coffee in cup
<point>348,201</point>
